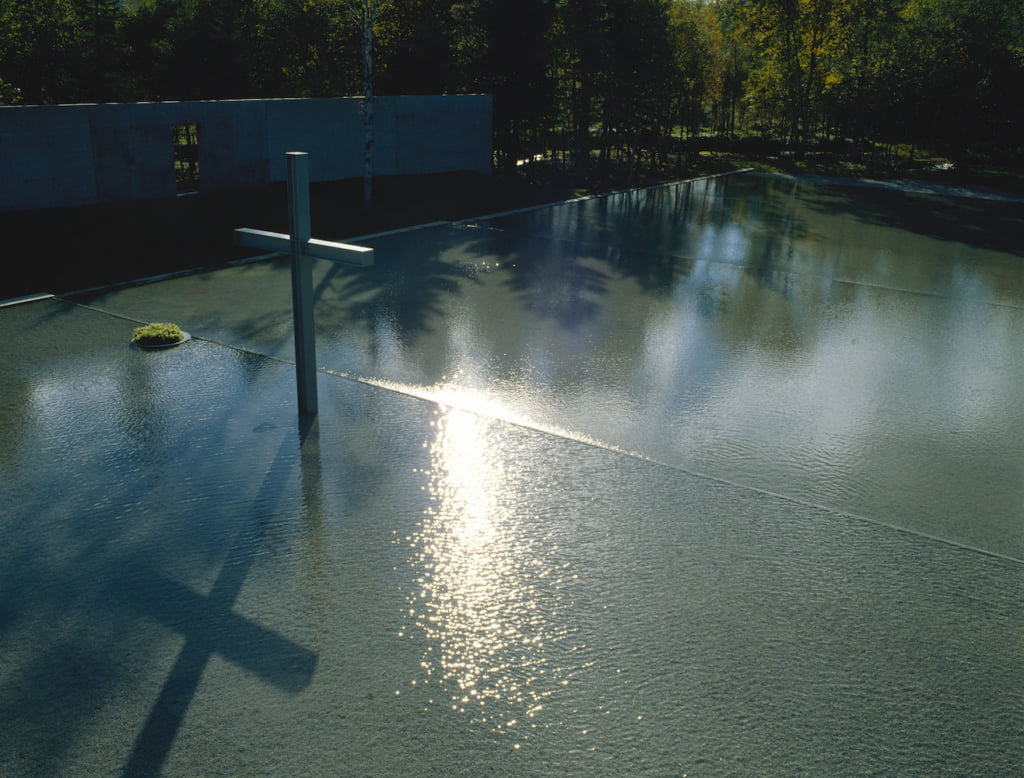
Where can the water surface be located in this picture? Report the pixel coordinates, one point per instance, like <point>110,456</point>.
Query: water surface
<point>851,347</point>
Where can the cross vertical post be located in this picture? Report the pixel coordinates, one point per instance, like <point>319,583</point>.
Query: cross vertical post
<point>303,249</point>
<point>300,232</point>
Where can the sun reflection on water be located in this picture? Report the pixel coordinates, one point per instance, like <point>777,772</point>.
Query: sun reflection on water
<point>489,580</point>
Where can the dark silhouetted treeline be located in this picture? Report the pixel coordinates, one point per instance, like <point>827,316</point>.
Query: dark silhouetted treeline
<point>587,84</point>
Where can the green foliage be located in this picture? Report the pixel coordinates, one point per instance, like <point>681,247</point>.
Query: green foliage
<point>9,94</point>
<point>157,334</point>
<point>509,53</point>
<point>40,49</point>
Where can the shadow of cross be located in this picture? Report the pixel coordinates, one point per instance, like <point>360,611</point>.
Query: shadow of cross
<point>211,626</point>
<point>303,248</point>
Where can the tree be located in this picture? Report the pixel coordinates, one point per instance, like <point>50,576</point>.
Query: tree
<point>964,73</point>
<point>304,49</point>
<point>415,44</point>
<point>507,51</point>
<point>615,77</point>
<point>199,50</point>
<point>584,32</point>
<point>40,51</point>
<point>640,70</point>
<point>694,60</point>
<point>365,14</point>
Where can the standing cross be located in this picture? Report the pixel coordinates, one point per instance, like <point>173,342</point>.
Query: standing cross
<point>303,249</point>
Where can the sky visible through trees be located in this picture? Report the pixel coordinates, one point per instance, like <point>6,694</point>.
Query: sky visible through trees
<point>579,81</point>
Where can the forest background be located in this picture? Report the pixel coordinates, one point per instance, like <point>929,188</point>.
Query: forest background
<point>590,94</point>
<point>591,87</point>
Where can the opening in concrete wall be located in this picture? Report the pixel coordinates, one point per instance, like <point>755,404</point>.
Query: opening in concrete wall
<point>185,137</point>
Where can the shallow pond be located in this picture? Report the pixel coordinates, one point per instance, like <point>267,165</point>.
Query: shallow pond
<point>721,478</point>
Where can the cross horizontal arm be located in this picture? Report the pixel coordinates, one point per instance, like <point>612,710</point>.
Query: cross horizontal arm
<point>344,253</point>
<point>260,239</point>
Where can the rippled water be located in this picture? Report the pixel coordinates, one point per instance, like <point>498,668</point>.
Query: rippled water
<point>854,348</point>
<point>622,488</point>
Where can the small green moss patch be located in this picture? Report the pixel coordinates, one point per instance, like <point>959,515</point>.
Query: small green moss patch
<point>158,334</point>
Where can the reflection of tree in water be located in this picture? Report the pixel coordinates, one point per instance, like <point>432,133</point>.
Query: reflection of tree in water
<point>553,280</point>
<point>16,393</point>
<point>977,221</point>
<point>402,293</point>
<point>647,230</point>
<point>773,227</point>
<point>971,244</point>
<point>560,263</point>
<point>659,235</point>
<point>751,295</point>
<point>141,410</point>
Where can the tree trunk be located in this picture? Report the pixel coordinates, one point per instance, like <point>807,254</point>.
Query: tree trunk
<point>368,106</point>
<point>582,129</point>
<point>364,13</point>
<point>635,147</point>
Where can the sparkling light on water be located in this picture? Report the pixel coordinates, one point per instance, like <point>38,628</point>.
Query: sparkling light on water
<point>485,573</point>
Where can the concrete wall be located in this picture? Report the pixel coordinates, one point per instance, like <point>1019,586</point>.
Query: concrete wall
<point>65,155</point>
